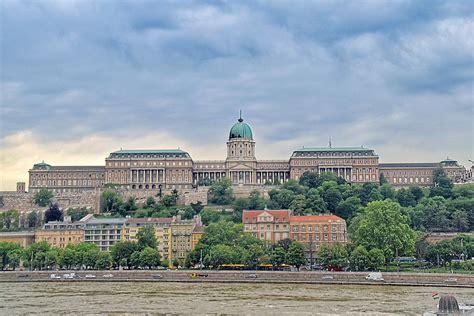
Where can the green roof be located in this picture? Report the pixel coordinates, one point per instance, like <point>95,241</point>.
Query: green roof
<point>241,130</point>
<point>150,151</point>
<point>332,149</point>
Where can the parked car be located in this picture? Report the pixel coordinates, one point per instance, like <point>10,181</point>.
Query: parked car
<point>54,276</point>
<point>109,275</point>
<point>251,276</point>
<point>157,276</point>
<point>374,276</point>
<point>90,276</point>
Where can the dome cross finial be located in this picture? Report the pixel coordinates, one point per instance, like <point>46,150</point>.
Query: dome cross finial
<point>240,116</point>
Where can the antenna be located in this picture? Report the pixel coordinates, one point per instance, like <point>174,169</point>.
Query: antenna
<point>240,116</point>
<point>330,144</point>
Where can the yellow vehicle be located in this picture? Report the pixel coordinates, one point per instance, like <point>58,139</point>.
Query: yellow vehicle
<point>196,275</point>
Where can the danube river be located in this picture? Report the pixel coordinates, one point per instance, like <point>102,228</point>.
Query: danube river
<point>119,298</point>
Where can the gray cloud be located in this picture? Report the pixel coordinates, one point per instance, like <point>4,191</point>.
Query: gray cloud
<point>389,75</point>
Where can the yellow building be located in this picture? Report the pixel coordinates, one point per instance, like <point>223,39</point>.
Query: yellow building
<point>24,239</point>
<point>162,231</point>
<point>61,234</point>
<point>198,232</point>
<point>181,239</point>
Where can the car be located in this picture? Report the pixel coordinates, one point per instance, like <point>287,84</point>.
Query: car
<point>54,276</point>
<point>195,275</point>
<point>251,276</point>
<point>157,276</point>
<point>451,280</point>
<point>327,277</point>
<point>374,276</point>
<point>90,276</point>
<point>109,275</point>
<point>68,276</point>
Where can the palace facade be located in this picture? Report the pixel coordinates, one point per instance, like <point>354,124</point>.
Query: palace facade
<point>168,169</point>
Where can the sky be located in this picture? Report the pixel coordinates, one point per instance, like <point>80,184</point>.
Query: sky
<point>80,79</point>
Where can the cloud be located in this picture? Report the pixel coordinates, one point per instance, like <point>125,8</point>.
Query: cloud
<point>396,76</point>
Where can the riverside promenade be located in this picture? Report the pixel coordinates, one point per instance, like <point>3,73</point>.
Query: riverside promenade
<point>389,278</point>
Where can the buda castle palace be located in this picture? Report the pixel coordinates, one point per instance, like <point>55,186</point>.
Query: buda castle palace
<point>168,169</point>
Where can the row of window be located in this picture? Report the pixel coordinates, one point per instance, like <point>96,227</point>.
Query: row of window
<point>56,175</point>
<point>410,180</point>
<point>147,163</point>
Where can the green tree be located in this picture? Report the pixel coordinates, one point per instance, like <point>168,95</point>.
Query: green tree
<point>348,207</point>
<point>294,186</point>
<point>332,197</point>
<point>405,198</point>
<point>241,204</point>
<point>8,253</point>
<point>167,200</point>
<point>43,197</point>
<point>382,179</point>
<point>460,221</point>
<point>111,202</point>
<point>150,202</point>
<point>442,185</point>
<point>377,258</point>
<point>433,214</point>
<point>53,213</point>
<point>130,206</point>
<point>284,198</point>
<point>221,192</point>
<point>387,191</point>
<point>210,216</point>
<point>122,251</point>
<point>77,213</point>
<point>10,219</point>
<point>150,257</point>
<point>298,205</point>
<point>278,256</point>
<point>310,179</point>
<point>32,219</point>
<point>255,202</point>
<point>315,202</point>
<point>104,261</point>
<point>382,225</point>
<point>197,207</point>
<point>359,259</point>
<point>146,238</point>
<point>369,193</point>
<point>296,255</point>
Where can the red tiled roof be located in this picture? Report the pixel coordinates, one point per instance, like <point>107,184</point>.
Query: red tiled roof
<point>149,220</point>
<point>247,216</point>
<point>314,218</point>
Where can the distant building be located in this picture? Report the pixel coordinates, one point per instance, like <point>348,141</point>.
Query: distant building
<point>60,234</point>
<point>313,231</point>
<point>317,230</point>
<point>197,234</point>
<point>271,226</point>
<point>159,170</point>
<point>181,237</point>
<point>104,232</point>
<point>162,231</point>
<point>421,174</point>
<point>24,238</point>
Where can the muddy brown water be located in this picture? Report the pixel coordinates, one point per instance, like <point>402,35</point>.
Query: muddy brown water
<point>119,298</point>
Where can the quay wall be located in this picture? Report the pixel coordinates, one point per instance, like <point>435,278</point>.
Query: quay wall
<point>390,278</point>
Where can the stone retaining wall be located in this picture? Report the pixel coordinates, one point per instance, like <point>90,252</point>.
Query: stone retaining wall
<point>410,279</point>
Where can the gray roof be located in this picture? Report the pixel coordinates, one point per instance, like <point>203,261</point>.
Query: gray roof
<point>106,221</point>
<point>409,165</point>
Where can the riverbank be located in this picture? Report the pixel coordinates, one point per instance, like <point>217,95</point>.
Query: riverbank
<point>349,278</point>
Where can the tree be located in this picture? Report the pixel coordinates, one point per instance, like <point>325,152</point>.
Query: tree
<point>221,192</point>
<point>221,254</point>
<point>210,216</point>
<point>8,255</point>
<point>36,254</point>
<point>111,203</point>
<point>298,205</point>
<point>197,207</point>
<point>296,255</point>
<point>167,200</point>
<point>104,261</point>
<point>150,202</point>
<point>294,186</point>
<point>359,259</point>
<point>382,179</point>
<point>347,208</point>
<point>10,219</point>
<point>387,191</point>
<point>122,251</point>
<point>77,213</point>
<point>149,257</point>
<point>278,256</point>
<point>283,198</point>
<point>460,221</point>
<point>53,213</point>
<point>130,206</point>
<point>310,179</point>
<point>442,185</point>
<point>255,202</point>
<point>417,193</point>
<point>315,202</point>
<point>146,238</point>
<point>32,219</point>
<point>369,193</point>
<point>332,197</point>
<point>433,214</point>
<point>377,258</point>
<point>406,198</point>
<point>382,225</point>
<point>43,197</point>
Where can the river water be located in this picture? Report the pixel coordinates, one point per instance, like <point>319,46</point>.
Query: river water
<point>114,298</point>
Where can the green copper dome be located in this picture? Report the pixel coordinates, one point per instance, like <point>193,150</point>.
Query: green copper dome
<point>241,130</point>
